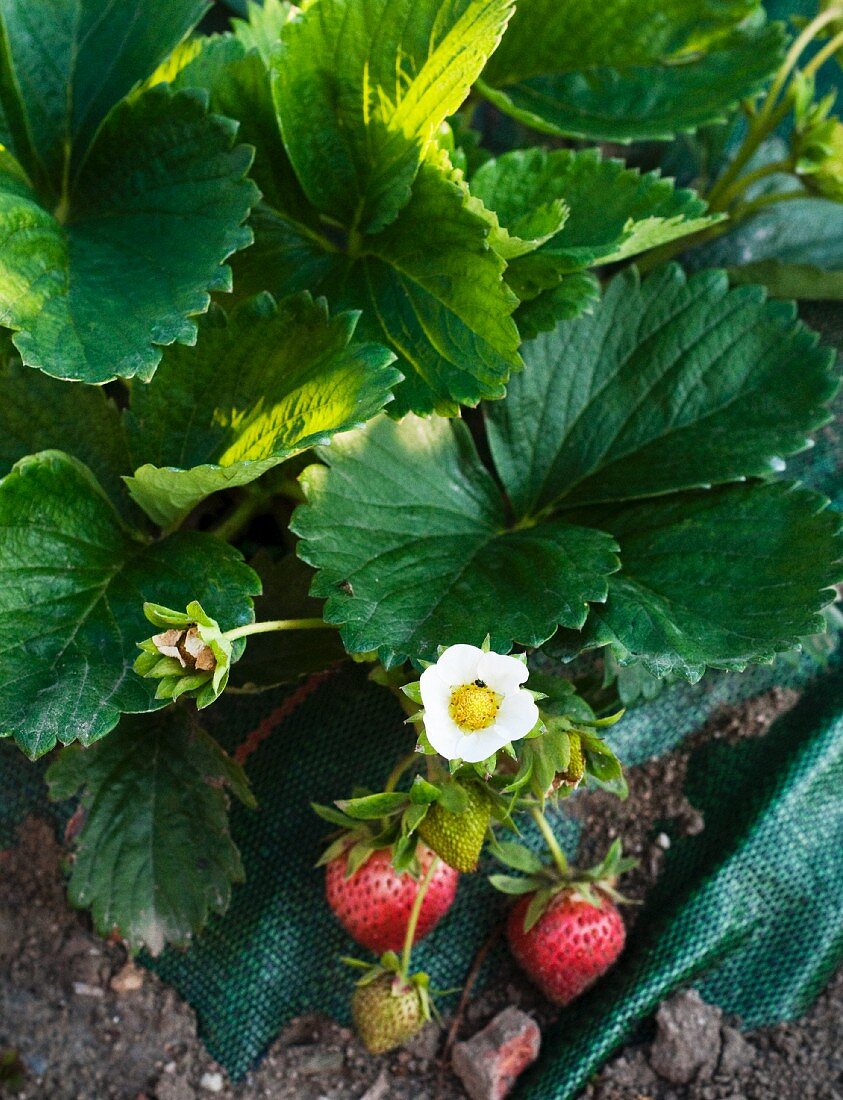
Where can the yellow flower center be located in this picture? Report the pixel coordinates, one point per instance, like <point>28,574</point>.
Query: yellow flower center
<point>474,706</point>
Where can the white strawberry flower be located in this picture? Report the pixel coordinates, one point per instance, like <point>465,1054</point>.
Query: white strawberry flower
<point>474,703</point>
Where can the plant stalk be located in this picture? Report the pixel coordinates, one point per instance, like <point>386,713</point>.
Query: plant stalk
<point>240,516</point>
<point>415,913</point>
<point>277,624</point>
<point>771,112</point>
<point>819,59</point>
<point>403,764</point>
<point>551,841</point>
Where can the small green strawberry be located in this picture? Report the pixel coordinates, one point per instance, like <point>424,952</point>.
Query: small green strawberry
<point>575,772</point>
<point>458,837</point>
<point>389,1010</point>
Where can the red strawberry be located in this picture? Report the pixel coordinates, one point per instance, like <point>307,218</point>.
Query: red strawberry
<point>374,904</point>
<point>571,944</point>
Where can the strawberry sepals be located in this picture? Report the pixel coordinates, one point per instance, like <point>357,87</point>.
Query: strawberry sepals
<point>547,881</point>
<point>402,982</point>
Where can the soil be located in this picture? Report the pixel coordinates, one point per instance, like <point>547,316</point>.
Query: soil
<point>88,1025</point>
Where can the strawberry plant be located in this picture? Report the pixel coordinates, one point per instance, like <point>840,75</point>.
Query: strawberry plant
<point>339,333</point>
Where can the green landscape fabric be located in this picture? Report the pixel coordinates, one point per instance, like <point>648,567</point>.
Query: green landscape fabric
<point>749,911</point>
<point>276,953</point>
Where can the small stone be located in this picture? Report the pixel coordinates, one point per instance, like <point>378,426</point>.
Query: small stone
<point>491,1061</point>
<point>314,1061</point>
<point>663,841</point>
<point>174,1088</point>
<point>128,979</point>
<point>425,1044</point>
<point>84,989</point>
<point>213,1082</point>
<point>687,1043</point>
<point>737,1053</point>
<point>379,1089</point>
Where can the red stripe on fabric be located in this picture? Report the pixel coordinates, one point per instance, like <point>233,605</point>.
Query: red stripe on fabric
<point>258,735</point>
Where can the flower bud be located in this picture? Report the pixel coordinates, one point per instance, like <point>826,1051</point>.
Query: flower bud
<point>191,656</point>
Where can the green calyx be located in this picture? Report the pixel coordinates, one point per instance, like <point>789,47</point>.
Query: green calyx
<point>457,834</point>
<point>546,881</point>
<point>191,656</point>
<point>817,146</point>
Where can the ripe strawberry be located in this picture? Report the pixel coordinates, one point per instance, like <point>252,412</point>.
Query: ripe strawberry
<point>571,944</point>
<point>387,1012</point>
<point>374,904</point>
<point>458,838</point>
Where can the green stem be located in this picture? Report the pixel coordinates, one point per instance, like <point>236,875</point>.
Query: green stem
<point>800,43</point>
<point>551,841</point>
<point>277,624</point>
<point>771,113</point>
<point>759,128</point>
<point>747,209</point>
<point>820,58</point>
<point>403,764</point>
<point>240,516</point>
<point>744,182</point>
<point>415,913</point>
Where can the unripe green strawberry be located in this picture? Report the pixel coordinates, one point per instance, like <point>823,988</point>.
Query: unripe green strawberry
<point>458,838</point>
<point>574,773</point>
<point>387,1012</point>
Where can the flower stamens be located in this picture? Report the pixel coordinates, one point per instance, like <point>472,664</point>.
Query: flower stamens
<point>474,707</point>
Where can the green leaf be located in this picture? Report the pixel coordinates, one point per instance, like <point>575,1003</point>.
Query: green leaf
<point>334,817</point>
<point>613,212</point>
<point>803,282</point>
<point>154,858</point>
<point>517,856</point>
<point>408,532</point>
<point>285,655</point>
<point>637,71</point>
<point>422,793</point>
<point>38,413</point>
<point>65,65</point>
<point>538,906</point>
<point>263,25</point>
<point>444,309</point>
<point>575,295</point>
<point>674,384</point>
<point>718,578</point>
<point>511,884</point>
<point>374,79</point>
<point>73,581</point>
<point>261,386</point>
<point>237,83</point>
<point>157,206</point>
<point>453,797</point>
<point>373,805</point>
<point>602,763</point>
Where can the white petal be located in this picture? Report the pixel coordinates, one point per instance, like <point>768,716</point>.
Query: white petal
<point>458,664</point>
<point>517,715</point>
<point>433,688</point>
<point>502,673</point>
<point>443,734</point>
<point>479,746</point>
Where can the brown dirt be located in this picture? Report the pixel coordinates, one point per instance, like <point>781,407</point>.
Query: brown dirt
<point>87,1028</point>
